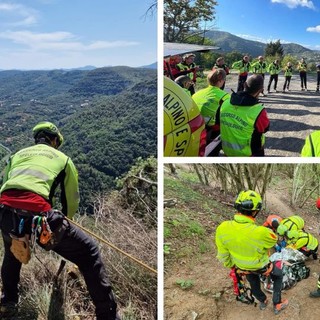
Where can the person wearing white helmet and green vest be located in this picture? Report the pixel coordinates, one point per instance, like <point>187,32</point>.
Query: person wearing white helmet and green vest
<point>31,178</point>
<point>243,245</point>
<point>244,121</point>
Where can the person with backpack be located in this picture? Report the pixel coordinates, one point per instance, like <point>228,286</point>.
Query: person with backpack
<point>243,245</point>
<point>26,209</point>
<point>243,66</point>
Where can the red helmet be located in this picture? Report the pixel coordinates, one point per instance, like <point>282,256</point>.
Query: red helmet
<point>318,203</point>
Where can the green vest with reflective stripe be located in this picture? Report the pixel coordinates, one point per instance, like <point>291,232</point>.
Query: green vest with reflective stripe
<point>40,169</point>
<point>311,146</point>
<point>306,240</point>
<point>274,68</point>
<point>241,66</point>
<point>288,71</point>
<point>243,244</point>
<point>208,101</point>
<point>184,67</point>
<point>293,223</point>
<point>236,128</point>
<point>302,66</point>
<point>258,67</point>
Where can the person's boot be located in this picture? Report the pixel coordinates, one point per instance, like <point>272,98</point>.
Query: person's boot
<point>263,305</point>
<point>315,294</point>
<point>280,306</point>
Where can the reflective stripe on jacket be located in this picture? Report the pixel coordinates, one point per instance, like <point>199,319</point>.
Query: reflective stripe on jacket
<point>274,68</point>
<point>258,67</point>
<point>241,66</point>
<point>243,244</point>
<point>293,223</point>
<point>40,169</point>
<point>305,239</point>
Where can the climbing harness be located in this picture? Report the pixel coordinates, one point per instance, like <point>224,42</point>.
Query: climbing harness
<point>40,230</point>
<point>241,290</point>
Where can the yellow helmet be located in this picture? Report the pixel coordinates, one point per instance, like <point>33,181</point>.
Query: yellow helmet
<point>248,201</point>
<point>50,128</point>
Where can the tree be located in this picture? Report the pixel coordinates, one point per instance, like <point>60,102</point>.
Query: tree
<point>274,49</point>
<point>181,17</point>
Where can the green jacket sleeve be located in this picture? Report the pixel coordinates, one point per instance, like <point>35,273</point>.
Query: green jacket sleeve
<point>223,253</point>
<point>70,196</point>
<point>308,149</point>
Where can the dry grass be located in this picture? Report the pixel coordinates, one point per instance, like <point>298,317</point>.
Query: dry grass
<point>45,298</point>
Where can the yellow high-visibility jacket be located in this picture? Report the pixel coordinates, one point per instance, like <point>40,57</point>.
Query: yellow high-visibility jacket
<point>241,243</point>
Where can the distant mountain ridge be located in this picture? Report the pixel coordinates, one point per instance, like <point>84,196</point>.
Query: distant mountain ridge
<point>229,42</point>
<point>108,117</point>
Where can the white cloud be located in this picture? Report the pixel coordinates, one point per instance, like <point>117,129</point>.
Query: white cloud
<point>259,39</point>
<point>17,15</point>
<point>314,29</point>
<point>296,3</point>
<point>62,41</point>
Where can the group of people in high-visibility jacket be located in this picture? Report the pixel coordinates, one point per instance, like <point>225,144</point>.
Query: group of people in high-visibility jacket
<point>245,246</point>
<point>238,120</point>
<point>260,67</point>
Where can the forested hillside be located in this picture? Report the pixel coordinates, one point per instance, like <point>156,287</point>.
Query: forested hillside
<point>108,117</point>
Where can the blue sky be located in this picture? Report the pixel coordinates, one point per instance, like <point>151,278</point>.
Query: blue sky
<point>48,34</point>
<point>295,21</point>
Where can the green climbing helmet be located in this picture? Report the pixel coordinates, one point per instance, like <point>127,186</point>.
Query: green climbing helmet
<point>50,128</point>
<point>248,201</point>
<point>282,229</point>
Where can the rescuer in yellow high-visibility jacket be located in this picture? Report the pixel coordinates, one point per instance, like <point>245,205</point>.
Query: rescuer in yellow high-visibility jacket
<point>244,245</point>
<point>303,241</point>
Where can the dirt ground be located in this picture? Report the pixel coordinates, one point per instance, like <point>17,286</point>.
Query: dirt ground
<point>293,115</point>
<point>212,298</point>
